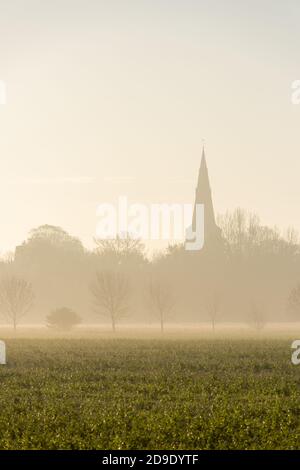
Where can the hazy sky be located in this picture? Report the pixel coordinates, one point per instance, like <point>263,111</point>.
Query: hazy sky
<point>114,97</point>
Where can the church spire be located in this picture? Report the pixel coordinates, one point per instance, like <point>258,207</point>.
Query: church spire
<point>203,179</point>
<point>203,196</point>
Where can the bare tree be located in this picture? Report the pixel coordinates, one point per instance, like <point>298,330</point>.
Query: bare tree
<point>212,304</point>
<point>120,246</point>
<point>16,299</point>
<point>294,301</point>
<point>160,299</point>
<point>111,293</point>
<point>257,315</point>
<point>7,258</point>
<point>246,236</point>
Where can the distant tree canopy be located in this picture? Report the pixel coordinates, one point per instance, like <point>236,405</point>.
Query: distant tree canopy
<point>55,236</point>
<point>48,244</point>
<point>63,319</point>
<point>57,265</point>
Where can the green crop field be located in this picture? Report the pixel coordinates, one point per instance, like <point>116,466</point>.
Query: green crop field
<point>149,394</point>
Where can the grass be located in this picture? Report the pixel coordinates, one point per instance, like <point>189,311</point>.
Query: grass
<point>158,393</point>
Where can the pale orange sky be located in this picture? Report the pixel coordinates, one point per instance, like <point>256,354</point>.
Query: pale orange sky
<point>114,98</point>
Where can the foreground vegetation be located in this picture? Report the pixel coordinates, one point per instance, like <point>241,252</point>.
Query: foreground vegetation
<point>149,394</point>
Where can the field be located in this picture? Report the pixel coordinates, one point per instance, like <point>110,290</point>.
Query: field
<point>149,393</point>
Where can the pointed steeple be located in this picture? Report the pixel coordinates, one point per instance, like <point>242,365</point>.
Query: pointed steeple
<point>203,196</point>
<point>203,185</point>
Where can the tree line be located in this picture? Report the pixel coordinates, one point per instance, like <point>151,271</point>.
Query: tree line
<point>252,276</point>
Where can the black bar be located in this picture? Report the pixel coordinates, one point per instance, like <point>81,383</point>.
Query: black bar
<point>141,458</point>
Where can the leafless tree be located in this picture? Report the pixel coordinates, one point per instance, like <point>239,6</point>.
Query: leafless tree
<point>160,299</point>
<point>119,246</point>
<point>246,236</point>
<point>212,304</point>
<point>16,299</point>
<point>7,258</point>
<point>257,315</point>
<point>111,293</point>
<point>294,301</point>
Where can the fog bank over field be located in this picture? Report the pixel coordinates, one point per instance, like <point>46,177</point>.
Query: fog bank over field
<point>246,274</point>
<point>192,332</point>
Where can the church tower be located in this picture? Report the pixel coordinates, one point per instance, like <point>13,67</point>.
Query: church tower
<point>212,233</point>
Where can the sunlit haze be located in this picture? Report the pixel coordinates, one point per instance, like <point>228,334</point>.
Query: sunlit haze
<point>117,98</point>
